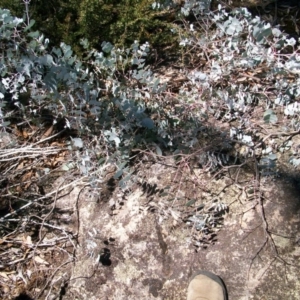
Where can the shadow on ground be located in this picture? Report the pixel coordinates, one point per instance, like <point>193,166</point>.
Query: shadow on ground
<point>136,246</point>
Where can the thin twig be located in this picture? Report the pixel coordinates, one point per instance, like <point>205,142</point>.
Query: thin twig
<point>279,134</point>
<point>49,138</point>
<point>52,276</point>
<point>83,180</point>
<point>50,243</point>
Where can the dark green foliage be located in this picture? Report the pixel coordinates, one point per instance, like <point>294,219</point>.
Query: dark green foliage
<point>57,19</point>
<point>118,21</point>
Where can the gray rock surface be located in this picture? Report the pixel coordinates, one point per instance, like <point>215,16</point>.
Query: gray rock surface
<point>135,246</point>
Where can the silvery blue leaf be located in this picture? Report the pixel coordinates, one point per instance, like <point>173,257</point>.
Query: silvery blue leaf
<point>77,142</point>
<point>148,123</point>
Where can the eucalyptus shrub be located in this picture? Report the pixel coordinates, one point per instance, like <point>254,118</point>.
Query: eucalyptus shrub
<point>103,94</point>
<point>113,92</point>
<point>245,63</point>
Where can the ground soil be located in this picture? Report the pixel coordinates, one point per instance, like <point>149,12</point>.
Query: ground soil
<point>135,245</point>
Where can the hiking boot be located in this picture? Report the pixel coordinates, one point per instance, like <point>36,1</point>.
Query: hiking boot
<point>206,286</point>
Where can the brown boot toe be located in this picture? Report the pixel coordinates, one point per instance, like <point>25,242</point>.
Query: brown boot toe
<point>206,286</point>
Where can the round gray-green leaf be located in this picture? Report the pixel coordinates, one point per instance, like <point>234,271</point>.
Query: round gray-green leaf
<point>148,123</point>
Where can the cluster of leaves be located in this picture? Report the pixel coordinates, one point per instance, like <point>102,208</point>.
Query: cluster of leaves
<point>244,63</point>
<point>206,221</point>
<point>104,94</point>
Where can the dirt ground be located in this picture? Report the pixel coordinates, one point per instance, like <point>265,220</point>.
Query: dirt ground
<point>136,245</point>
